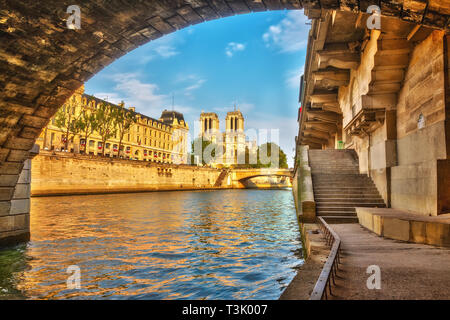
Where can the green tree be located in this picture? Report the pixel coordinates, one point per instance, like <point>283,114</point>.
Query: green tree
<point>87,124</point>
<point>105,117</point>
<point>124,120</point>
<point>248,159</point>
<point>66,120</point>
<point>198,147</point>
<point>270,149</point>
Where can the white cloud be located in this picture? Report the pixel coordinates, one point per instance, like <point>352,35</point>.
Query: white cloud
<point>293,77</point>
<point>290,34</point>
<point>166,51</point>
<point>191,83</point>
<point>244,107</point>
<point>196,85</point>
<point>145,97</point>
<point>164,48</point>
<point>233,47</point>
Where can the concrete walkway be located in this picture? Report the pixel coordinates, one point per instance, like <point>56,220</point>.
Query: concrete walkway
<point>408,270</point>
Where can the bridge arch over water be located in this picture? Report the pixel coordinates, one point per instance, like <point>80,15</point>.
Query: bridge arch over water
<point>42,62</point>
<point>241,178</point>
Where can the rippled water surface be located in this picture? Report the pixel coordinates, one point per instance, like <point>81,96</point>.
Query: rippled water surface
<point>228,244</point>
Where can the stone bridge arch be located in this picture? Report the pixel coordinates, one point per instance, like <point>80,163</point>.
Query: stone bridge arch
<point>42,62</point>
<point>240,176</point>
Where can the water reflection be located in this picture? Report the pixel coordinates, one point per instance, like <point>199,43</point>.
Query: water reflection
<point>230,244</point>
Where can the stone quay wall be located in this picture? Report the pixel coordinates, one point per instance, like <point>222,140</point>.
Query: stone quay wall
<point>63,174</point>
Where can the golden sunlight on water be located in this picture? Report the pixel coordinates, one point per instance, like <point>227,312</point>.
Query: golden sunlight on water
<point>229,244</point>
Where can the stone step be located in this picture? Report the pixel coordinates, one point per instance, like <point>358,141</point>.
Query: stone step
<point>350,168</point>
<point>327,164</point>
<point>349,199</point>
<point>333,162</point>
<point>336,184</point>
<point>339,194</point>
<point>346,190</point>
<point>336,213</point>
<point>372,197</point>
<point>327,205</point>
<point>334,171</point>
<point>331,175</point>
<point>340,179</point>
<point>338,162</point>
<point>338,209</point>
<point>340,219</point>
<point>345,197</point>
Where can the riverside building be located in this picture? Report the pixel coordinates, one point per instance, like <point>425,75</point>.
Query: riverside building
<point>148,139</point>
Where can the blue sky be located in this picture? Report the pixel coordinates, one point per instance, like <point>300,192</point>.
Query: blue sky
<point>254,60</point>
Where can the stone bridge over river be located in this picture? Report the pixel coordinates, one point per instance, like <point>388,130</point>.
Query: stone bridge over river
<point>239,177</point>
<point>42,62</point>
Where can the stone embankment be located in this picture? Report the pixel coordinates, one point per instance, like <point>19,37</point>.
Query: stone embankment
<point>62,174</point>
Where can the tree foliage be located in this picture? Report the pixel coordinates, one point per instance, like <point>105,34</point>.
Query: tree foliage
<point>105,117</point>
<point>198,147</point>
<point>124,120</point>
<point>66,120</point>
<point>87,124</point>
<point>264,151</point>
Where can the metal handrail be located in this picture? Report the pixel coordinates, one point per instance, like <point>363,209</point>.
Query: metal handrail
<point>331,266</point>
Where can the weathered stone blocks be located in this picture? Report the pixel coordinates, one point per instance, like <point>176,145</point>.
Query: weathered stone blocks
<point>406,226</point>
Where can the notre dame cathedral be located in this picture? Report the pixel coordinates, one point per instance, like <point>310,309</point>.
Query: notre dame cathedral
<point>233,142</point>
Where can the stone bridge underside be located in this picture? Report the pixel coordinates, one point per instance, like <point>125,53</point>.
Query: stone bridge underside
<point>42,62</point>
<point>244,174</point>
<point>240,176</point>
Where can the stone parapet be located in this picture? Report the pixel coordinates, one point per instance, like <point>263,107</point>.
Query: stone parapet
<point>406,226</point>
<point>303,187</point>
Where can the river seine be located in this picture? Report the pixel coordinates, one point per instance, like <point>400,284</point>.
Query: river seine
<point>227,244</point>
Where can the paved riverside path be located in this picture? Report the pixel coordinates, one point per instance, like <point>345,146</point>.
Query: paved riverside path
<point>408,270</point>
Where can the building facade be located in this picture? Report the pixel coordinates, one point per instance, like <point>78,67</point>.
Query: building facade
<point>233,142</point>
<point>384,94</point>
<point>163,140</point>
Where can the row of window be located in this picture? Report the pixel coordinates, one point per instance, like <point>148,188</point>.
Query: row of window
<point>127,150</point>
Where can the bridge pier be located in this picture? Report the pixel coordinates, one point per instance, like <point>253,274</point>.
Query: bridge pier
<point>15,186</point>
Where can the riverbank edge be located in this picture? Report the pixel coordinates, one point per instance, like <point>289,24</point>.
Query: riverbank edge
<point>315,255</point>
<point>61,193</point>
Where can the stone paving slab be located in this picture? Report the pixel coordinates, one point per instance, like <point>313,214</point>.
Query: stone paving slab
<point>408,270</point>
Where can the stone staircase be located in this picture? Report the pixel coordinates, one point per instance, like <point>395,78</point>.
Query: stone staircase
<point>339,187</point>
<point>221,177</point>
